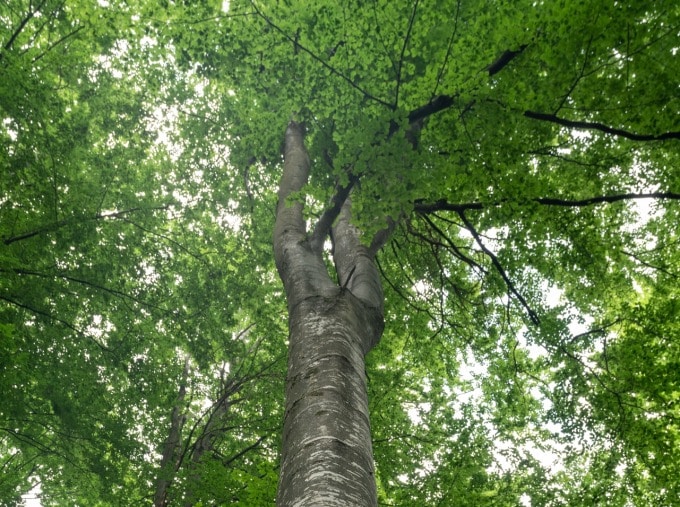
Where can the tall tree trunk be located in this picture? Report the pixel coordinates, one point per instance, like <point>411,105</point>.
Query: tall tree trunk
<point>327,456</point>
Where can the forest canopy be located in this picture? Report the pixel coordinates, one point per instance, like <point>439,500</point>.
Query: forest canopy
<point>508,171</point>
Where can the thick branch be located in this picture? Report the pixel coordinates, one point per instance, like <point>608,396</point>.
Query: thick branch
<point>442,102</point>
<point>585,125</point>
<point>302,269</point>
<point>381,237</point>
<point>325,222</point>
<point>296,168</point>
<point>434,106</point>
<point>504,60</point>
<point>168,463</point>
<point>353,261</point>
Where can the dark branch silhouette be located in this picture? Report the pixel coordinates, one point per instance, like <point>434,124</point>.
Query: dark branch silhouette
<point>440,74</point>
<point>585,125</point>
<point>10,42</point>
<point>316,58</point>
<point>403,51</point>
<point>504,60</point>
<point>64,223</point>
<point>444,205</point>
<point>499,267</point>
<point>325,222</point>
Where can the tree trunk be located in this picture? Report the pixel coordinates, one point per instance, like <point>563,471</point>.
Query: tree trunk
<point>327,455</point>
<point>169,459</point>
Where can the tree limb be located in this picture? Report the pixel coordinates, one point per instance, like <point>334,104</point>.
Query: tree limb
<point>403,51</point>
<point>440,74</point>
<point>55,319</point>
<point>55,44</point>
<point>87,283</point>
<point>444,205</point>
<point>316,58</point>
<point>502,61</point>
<point>494,260</point>
<point>21,26</point>
<point>381,237</point>
<point>169,460</point>
<point>228,461</point>
<point>63,223</point>
<point>585,125</point>
<point>325,222</point>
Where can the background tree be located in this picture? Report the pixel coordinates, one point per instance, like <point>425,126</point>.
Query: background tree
<point>524,157</point>
<point>120,280</point>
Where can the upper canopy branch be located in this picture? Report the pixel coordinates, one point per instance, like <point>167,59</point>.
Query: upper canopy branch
<point>497,264</point>
<point>72,221</point>
<point>442,102</point>
<point>586,125</point>
<point>411,21</point>
<point>318,59</point>
<point>444,205</point>
<point>22,24</point>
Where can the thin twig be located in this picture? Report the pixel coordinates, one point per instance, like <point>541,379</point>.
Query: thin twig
<point>319,60</point>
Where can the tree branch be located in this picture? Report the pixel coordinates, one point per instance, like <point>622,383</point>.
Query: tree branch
<point>55,319</point>
<point>444,205</point>
<point>403,51</point>
<point>63,223</point>
<point>504,60</point>
<point>494,260</point>
<point>21,26</point>
<point>381,237</point>
<point>56,43</point>
<point>450,245</point>
<point>228,461</point>
<point>169,463</point>
<point>436,105</point>
<point>316,58</point>
<point>440,74</point>
<point>584,125</point>
<point>87,283</point>
<point>606,199</point>
<point>325,222</point>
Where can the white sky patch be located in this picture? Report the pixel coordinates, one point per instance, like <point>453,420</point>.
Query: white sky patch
<point>32,498</point>
<point>99,327</point>
<point>10,128</point>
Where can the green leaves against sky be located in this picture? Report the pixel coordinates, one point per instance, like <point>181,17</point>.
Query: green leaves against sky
<point>531,349</point>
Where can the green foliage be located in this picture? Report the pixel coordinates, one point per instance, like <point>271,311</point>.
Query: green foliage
<point>139,155</point>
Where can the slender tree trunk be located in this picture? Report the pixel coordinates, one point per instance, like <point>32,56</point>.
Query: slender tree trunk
<point>327,455</point>
<point>169,459</point>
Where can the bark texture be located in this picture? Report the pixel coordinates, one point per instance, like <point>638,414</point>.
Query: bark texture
<point>327,457</point>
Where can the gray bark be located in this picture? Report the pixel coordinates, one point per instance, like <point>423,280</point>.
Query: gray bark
<point>169,459</point>
<point>327,457</point>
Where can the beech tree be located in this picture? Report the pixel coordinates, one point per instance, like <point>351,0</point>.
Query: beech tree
<point>474,215</point>
<point>505,146</point>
